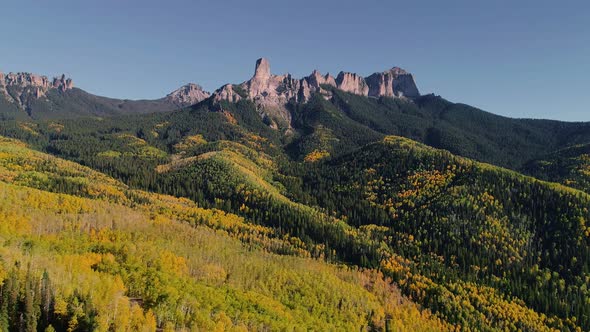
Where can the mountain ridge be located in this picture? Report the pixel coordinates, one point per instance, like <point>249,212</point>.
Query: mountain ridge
<point>32,93</point>
<point>481,247</point>
<point>272,93</point>
<point>27,95</point>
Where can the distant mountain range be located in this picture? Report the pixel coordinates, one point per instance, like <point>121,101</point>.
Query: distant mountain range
<point>25,95</point>
<point>29,95</point>
<point>318,112</point>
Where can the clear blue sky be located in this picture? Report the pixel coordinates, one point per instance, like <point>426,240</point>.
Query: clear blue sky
<point>515,58</point>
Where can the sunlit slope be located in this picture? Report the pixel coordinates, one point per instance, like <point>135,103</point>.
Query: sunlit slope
<point>82,251</point>
<point>569,166</point>
<point>482,246</point>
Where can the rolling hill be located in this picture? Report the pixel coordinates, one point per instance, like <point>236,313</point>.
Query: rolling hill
<point>82,251</point>
<point>569,166</point>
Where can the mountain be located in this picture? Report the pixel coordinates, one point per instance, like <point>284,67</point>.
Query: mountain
<point>30,96</point>
<point>327,114</point>
<point>478,245</point>
<point>272,93</point>
<point>425,195</point>
<point>348,111</point>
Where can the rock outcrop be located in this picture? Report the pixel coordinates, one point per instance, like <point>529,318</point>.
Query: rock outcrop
<point>313,83</point>
<point>187,95</point>
<point>406,85</point>
<point>353,83</point>
<point>62,83</point>
<point>316,79</point>
<point>20,87</point>
<point>272,93</point>
<point>228,93</point>
<point>2,85</point>
<point>395,82</point>
<point>28,80</point>
<point>268,89</point>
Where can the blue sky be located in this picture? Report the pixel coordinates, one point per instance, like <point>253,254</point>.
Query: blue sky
<point>515,58</point>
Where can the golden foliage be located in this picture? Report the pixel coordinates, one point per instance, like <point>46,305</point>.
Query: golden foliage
<point>316,155</point>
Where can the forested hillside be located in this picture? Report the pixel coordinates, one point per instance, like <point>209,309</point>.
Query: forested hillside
<point>462,129</point>
<point>326,128</point>
<point>462,236</point>
<point>570,166</point>
<point>82,252</point>
<point>482,247</point>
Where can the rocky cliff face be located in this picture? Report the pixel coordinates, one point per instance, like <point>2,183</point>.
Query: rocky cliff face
<point>28,80</point>
<point>406,86</point>
<point>271,93</point>
<point>228,93</point>
<point>313,83</point>
<point>62,83</point>
<point>187,95</point>
<point>395,82</point>
<point>352,83</point>
<point>21,87</point>
<point>2,84</point>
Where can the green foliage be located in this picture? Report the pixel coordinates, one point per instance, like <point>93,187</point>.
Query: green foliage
<point>482,247</point>
<point>73,103</point>
<point>447,223</point>
<point>122,259</point>
<point>569,166</point>
<point>462,129</point>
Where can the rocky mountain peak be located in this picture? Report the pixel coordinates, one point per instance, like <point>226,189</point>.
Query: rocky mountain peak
<point>262,70</point>
<point>187,95</point>
<point>395,82</point>
<point>316,79</point>
<point>20,88</point>
<point>62,83</point>
<point>28,80</point>
<point>353,83</point>
<point>396,71</point>
<point>271,93</point>
<point>228,93</point>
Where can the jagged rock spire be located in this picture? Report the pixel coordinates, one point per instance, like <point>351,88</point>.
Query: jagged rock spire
<point>271,93</point>
<point>262,70</point>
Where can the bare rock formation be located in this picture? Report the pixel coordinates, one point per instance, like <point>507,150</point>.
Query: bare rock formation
<point>62,84</point>
<point>228,93</point>
<point>353,83</point>
<point>187,95</point>
<point>20,87</point>
<point>272,93</point>
<point>395,82</point>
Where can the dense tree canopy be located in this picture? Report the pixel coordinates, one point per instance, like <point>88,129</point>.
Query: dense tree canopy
<point>479,246</point>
